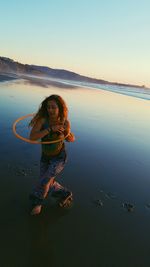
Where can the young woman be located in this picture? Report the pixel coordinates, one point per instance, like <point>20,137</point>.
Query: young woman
<point>50,123</point>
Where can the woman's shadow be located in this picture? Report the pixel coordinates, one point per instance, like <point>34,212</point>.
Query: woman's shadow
<point>43,235</point>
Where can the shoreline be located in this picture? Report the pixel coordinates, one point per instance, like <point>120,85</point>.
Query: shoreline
<point>6,78</point>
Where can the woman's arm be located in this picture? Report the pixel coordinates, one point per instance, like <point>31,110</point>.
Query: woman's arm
<point>70,136</point>
<point>67,127</point>
<point>36,132</point>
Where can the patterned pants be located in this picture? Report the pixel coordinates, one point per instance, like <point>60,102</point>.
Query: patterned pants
<point>49,169</point>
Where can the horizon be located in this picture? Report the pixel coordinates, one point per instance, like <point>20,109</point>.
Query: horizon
<point>108,41</point>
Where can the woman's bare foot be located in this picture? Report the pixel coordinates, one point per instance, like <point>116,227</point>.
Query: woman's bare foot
<point>36,210</point>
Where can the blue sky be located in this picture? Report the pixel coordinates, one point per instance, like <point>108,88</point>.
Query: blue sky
<point>103,39</point>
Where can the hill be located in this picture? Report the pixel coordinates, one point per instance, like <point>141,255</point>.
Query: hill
<point>10,67</point>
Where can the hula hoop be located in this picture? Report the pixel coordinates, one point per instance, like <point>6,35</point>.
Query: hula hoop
<point>32,141</point>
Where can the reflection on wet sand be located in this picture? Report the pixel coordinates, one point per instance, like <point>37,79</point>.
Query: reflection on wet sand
<point>46,83</point>
<point>35,80</point>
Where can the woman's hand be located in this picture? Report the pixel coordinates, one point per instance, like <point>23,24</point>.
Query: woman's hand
<point>57,128</point>
<point>70,138</point>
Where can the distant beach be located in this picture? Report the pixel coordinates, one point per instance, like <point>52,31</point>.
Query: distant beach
<point>138,92</point>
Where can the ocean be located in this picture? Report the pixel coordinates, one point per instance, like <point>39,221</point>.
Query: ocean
<point>141,92</point>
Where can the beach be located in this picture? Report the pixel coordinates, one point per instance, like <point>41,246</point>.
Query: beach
<point>107,170</point>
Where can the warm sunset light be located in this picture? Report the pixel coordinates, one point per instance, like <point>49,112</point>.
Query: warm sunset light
<point>75,133</point>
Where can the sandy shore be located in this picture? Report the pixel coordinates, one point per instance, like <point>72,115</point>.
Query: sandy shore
<point>108,168</point>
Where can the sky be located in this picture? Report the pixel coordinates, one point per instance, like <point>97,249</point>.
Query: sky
<point>107,40</point>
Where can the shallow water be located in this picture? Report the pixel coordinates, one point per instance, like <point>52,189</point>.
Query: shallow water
<point>138,92</point>
<point>109,163</point>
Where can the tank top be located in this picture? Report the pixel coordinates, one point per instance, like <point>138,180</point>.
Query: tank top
<point>51,150</point>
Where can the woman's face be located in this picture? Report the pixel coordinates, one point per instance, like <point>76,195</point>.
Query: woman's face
<point>52,109</point>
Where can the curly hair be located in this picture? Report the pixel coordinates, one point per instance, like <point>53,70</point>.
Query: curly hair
<point>42,112</point>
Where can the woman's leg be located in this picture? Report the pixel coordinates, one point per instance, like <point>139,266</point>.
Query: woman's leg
<point>38,199</point>
<point>48,171</point>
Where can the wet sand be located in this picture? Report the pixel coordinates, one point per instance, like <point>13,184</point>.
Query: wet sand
<point>108,168</point>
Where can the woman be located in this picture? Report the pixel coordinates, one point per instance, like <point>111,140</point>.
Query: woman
<point>49,124</point>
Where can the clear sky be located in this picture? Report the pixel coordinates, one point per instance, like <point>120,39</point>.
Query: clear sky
<point>103,39</point>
